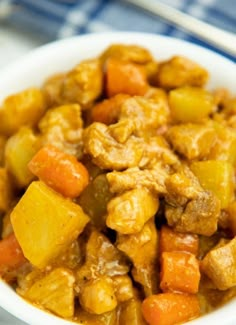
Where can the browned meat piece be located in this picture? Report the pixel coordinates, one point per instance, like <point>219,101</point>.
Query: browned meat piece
<point>130,53</point>
<point>83,84</point>
<point>220,265</point>
<point>145,269</point>
<point>156,150</point>
<point>193,141</point>
<point>101,258</point>
<point>189,208</point>
<point>128,212</point>
<point>107,153</point>
<point>180,71</point>
<point>145,113</point>
<point>153,179</point>
<point>62,127</point>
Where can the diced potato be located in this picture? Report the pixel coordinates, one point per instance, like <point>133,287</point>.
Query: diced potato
<point>54,292</point>
<point>98,296</point>
<point>23,108</point>
<point>128,212</point>
<point>220,265</point>
<point>45,223</point>
<point>216,176</point>
<point>130,313</point>
<point>20,148</point>
<point>5,190</point>
<point>189,104</point>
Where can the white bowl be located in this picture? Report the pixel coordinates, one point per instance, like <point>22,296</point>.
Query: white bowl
<point>62,55</point>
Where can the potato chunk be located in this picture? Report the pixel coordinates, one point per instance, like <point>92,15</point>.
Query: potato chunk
<point>190,104</point>
<point>45,223</point>
<point>128,212</point>
<point>220,265</point>
<point>54,292</point>
<point>20,149</point>
<point>216,176</point>
<point>23,108</point>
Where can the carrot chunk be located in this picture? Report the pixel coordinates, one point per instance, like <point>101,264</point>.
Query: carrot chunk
<point>125,77</point>
<point>179,272</point>
<point>170,308</point>
<point>11,256</point>
<point>108,110</point>
<point>61,171</point>
<point>171,240</point>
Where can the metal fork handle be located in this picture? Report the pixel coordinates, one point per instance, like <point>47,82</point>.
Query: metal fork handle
<point>215,36</point>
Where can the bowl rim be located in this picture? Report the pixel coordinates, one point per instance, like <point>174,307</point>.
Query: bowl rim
<point>9,300</point>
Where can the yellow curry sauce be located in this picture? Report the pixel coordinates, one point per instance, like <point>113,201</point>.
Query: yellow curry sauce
<point>117,191</point>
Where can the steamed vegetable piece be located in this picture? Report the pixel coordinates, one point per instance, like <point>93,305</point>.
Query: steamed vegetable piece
<point>218,177</point>
<point>190,104</point>
<point>11,255</point>
<point>55,292</point>
<point>179,272</point>
<point>44,217</point>
<point>60,171</point>
<point>170,308</point>
<point>23,108</point>
<point>20,149</point>
<point>171,240</point>
<point>125,77</point>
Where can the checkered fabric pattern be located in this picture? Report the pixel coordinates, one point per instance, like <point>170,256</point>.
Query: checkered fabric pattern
<point>55,19</point>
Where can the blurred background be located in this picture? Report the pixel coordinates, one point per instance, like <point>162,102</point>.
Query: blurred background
<point>27,24</point>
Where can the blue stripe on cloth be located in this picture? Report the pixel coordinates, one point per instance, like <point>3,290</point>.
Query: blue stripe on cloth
<point>53,19</point>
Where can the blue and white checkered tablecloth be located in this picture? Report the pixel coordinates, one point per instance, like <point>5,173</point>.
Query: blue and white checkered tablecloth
<point>55,19</point>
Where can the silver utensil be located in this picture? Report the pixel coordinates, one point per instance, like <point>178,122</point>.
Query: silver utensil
<point>222,39</point>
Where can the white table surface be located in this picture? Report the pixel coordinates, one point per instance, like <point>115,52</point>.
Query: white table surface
<point>13,45</point>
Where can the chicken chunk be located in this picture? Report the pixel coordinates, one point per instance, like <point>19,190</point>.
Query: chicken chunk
<point>130,53</point>
<point>128,212</point>
<point>98,296</point>
<point>145,269</point>
<point>145,113</point>
<point>193,141</point>
<point>102,258</point>
<point>189,208</point>
<point>107,153</point>
<point>83,84</point>
<point>181,71</point>
<point>153,179</point>
<point>220,265</point>
<point>62,126</point>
